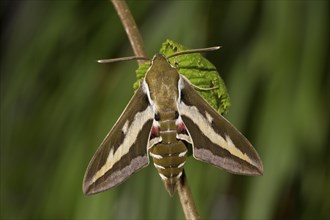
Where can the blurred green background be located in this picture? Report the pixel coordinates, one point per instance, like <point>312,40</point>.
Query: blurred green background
<point>57,105</point>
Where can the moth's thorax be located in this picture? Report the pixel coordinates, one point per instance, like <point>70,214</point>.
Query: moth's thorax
<point>162,80</point>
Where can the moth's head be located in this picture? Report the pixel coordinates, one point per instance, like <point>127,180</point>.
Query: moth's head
<point>160,67</point>
<point>159,60</point>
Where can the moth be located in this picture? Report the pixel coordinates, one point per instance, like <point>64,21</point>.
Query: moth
<point>164,117</point>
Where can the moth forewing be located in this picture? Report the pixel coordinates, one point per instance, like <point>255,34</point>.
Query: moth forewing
<point>214,139</point>
<point>124,150</point>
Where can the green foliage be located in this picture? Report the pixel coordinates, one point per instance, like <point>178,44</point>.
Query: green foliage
<point>201,73</point>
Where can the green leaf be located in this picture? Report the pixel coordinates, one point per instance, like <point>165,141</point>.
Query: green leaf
<point>200,72</point>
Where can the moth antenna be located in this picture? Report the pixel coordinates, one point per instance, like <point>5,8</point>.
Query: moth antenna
<point>121,59</point>
<point>195,51</point>
<point>205,89</point>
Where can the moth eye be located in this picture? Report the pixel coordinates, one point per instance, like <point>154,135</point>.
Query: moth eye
<point>157,117</point>
<point>176,64</point>
<point>176,114</point>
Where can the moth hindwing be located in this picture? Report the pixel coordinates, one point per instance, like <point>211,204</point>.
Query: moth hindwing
<point>164,117</point>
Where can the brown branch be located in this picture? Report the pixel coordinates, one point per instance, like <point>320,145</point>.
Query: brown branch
<point>131,29</point>
<point>187,202</point>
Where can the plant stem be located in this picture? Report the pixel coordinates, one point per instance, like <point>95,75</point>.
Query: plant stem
<point>131,29</point>
<point>187,202</point>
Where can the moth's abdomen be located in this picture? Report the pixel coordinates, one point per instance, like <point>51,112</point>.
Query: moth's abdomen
<point>169,155</point>
<point>169,160</point>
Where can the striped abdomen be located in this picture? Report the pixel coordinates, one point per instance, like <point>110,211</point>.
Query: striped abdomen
<point>169,155</point>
